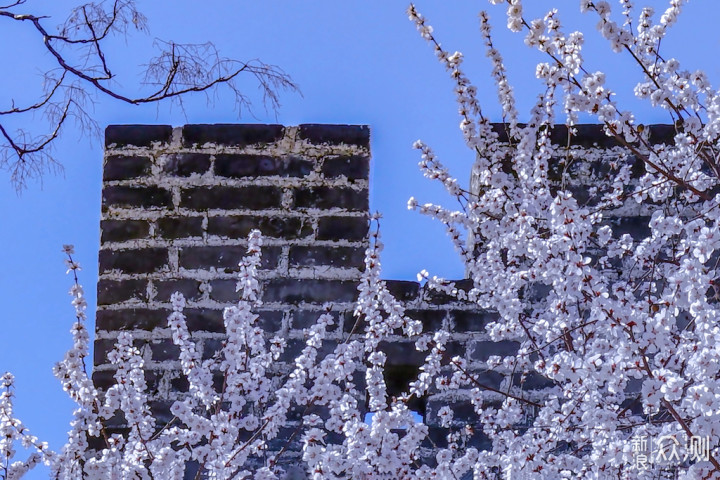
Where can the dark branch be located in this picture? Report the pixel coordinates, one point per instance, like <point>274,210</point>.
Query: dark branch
<point>178,70</point>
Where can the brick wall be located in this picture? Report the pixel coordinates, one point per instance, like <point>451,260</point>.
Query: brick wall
<point>177,206</point>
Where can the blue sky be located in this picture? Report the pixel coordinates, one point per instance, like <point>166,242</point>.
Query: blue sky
<point>358,62</point>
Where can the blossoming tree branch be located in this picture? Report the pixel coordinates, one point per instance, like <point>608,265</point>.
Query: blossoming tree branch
<point>626,329</point>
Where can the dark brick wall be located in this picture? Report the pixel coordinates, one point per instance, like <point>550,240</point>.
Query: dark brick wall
<point>177,207</point>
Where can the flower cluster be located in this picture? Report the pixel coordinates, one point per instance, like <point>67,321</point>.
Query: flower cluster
<point>626,327</point>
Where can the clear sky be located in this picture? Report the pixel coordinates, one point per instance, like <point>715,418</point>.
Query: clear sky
<point>358,62</point>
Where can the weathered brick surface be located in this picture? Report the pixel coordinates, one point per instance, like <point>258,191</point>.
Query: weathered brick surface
<point>122,196</point>
<point>223,290</point>
<point>481,350</point>
<point>136,135</point>
<point>204,320</point>
<point>121,230</point>
<point>125,319</point>
<point>292,291</point>
<point>334,256</point>
<point>235,135</point>
<point>190,288</point>
<point>111,292</point>
<point>592,135</point>
<point>220,197</point>
<point>331,198</point>
<point>239,166</point>
<point>123,167</point>
<point>352,168</point>
<point>186,164</point>
<point>342,228</point>
<point>179,227</point>
<point>336,134</point>
<point>239,226</point>
<point>145,260</point>
<point>222,257</point>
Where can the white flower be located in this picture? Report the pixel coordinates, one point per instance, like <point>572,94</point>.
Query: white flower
<point>445,415</point>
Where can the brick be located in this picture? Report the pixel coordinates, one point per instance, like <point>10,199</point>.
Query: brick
<point>250,197</point>
<point>353,324</point>
<point>356,167</point>
<point>350,257</point>
<point>589,135</point>
<point>160,411</point>
<point>532,381</point>
<point>463,411</point>
<point>331,197</point>
<point>188,287</point>
<point>296,413</point>
<point>137,135</point>
<point>101,348</point>
<point>270,320</point>
<point>223,290</point>
<point>294,291</point>
<point>403,290</point>
<point>140,260</point>
<point>431,319</point>
<point>103,379</point>
<point>437,297</point>
<point>186,164</point>
<point>302,319</point>
<point>147,197</point>
<point>244,165</point>
<point>211,347</point>
<point>288,439</point>
<point>239,226</point>
<point>124,167</point>
<point>402,353</point>
<point>204,320</point>
<point>163,350</point>
<point>581,194</point>
<point>237,135</point>
<point>482,350</point>
<point>156,378</point>
<point>179,383</point>
<point>471,320</point>
<point>336,134</point>
<point>399,376</point>
<point>110,292</point>
<point>131,319</point>
<point>123,230</point>
<point>179,227</point>
<point>453,349</point>
<point>226,257</point>
<point>662,134</point>
<point>488,378</point>
<point>342,228</point>
<point>637,227</point>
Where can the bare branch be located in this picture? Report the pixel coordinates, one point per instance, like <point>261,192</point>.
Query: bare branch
<point>83,71</point>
